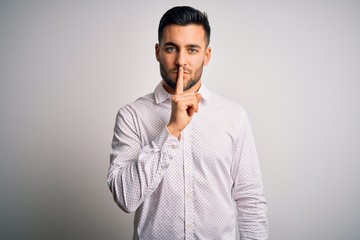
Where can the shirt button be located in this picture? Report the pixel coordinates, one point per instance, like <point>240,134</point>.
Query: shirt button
<point>173,146</point>
<point>189,226</point>
<point>188,195</point>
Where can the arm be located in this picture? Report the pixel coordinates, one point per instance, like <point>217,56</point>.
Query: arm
<point>248,187</point>
<point>135,171</point>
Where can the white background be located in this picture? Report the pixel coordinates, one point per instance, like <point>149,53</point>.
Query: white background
<point>66,67</point>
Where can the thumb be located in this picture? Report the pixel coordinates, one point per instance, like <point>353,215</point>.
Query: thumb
<point>198,96</point>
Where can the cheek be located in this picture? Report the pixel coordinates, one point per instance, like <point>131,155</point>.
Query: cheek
<point>166,61</point>
<point>197,62</point>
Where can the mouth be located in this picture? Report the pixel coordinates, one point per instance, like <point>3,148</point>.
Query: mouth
<point>176,72</point>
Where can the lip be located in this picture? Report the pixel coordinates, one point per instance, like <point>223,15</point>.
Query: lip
<point>177,72</point>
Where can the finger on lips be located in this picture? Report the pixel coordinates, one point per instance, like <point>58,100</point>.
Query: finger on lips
<point>189,99</point>
<point>180,82</point>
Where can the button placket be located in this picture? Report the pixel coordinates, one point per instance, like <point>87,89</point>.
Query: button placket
<point>188,183</point>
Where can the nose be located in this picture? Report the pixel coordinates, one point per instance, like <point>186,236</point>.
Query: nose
<point>181,58</point>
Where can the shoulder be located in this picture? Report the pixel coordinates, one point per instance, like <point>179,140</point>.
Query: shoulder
<point>141,104</point>
<point>143,101</point>
<point>226,106</point>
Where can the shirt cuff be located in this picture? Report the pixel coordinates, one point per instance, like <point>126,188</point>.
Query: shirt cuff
<point>168,146</point>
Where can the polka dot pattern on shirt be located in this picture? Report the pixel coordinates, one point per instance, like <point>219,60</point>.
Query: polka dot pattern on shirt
<point>205,186</point>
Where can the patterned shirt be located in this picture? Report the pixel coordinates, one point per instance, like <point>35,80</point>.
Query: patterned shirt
<point>207,185</point>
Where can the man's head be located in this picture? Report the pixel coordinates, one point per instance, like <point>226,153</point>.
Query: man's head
<point>184,16</point>
<point>184,36</point>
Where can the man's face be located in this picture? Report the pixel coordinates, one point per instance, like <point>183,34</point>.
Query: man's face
<point>182,46</point>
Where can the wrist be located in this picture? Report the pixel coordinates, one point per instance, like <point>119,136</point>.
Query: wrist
<point>173,131</point>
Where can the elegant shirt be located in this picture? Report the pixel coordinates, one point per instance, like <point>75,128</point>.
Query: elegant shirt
<point>207,185</point>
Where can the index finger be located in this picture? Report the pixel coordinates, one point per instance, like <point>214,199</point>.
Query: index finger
<point>180,81</point>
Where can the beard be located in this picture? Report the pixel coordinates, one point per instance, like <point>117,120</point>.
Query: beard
<point>170,80</point>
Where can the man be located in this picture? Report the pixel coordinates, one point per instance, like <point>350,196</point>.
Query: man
<point>182,157</point>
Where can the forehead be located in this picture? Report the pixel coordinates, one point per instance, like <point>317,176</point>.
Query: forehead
<point>183,35</point>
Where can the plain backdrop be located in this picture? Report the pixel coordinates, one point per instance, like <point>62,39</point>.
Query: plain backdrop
<point>66,67</point>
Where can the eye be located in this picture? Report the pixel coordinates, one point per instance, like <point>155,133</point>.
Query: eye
<point>193,50</point>
<point>170,49</point>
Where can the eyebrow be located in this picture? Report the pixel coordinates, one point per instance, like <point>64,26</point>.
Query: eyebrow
<point>191,45</point>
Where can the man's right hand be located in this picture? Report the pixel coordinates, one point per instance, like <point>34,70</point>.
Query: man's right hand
<point>184,105</point>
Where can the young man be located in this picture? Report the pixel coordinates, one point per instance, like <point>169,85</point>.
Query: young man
<point>182,157</point>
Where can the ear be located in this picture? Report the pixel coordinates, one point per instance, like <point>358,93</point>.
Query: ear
<point>157,51</point>
<point>207,55</point>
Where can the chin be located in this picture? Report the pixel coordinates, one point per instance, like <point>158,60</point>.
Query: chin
<point>171,84</point>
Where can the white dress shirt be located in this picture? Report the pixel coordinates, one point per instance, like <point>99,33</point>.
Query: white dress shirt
<point>207,185</point>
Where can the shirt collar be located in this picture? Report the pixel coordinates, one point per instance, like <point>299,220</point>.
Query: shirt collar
<point>161,94</point>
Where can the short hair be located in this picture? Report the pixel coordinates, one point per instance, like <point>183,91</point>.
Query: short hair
<point>184,15</point>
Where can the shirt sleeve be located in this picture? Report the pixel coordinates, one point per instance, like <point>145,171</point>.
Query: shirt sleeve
<point>135,171</point>
<point>248,188</point>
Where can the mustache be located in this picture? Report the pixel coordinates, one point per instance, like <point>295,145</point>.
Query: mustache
<point>175,70</point>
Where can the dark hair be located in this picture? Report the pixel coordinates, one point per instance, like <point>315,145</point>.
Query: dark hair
<point>183,16</point>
